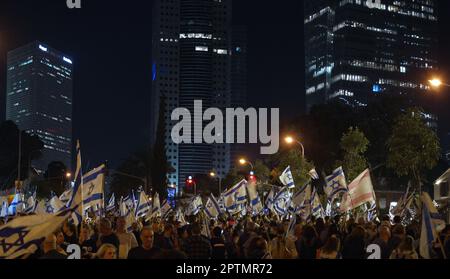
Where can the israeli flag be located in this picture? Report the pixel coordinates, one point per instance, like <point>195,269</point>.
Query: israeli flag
<point>255,201</point>
<point>112,203</point>
<point>41,207</point>
<point>291,227</point>
<point>17,205</point>
<point>179,217</point>
<point>31,204</point>
<point>166,209</point>
<point>65,197</point>
<point>54,205</point>
<point>270,199</point>
<point>235,196</point>
<point>212,208</point>
<point>336,183</point>
<point>156,208</point>
<point>93,188</point>
<point>24,235</point>
<point>287,179</point>
<point>143,205</point>
<point>316,206</point>
<point>372,212</point>
<point>126,212</point>
<point>282,201</point>
<point>299,197</point>
<point>194,206</point>
<point>4,209</point>
<point>76,200</point>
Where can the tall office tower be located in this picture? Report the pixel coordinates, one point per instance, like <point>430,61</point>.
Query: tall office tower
<point>357,49</point>
<point>39,99</point>
<point>239,79</point>
<point>191,61</point>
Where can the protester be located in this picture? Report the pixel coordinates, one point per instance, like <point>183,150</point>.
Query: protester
<point>146,249</point>
<point>282,247</point>
<point>50,250</point>
<point>382,241</point>
<point>165,240</point>
<point>218,244</point>
<point>86,242</point>
<point>405,250</point>
<point>258,249</point>
<point>197,246</point>
<point>107,252</point>
<point>70,233</point>
<point>126,239</point>
<point>107,236</point>
<point>330,250</point>
<point>354,245</point>
<point>308,244</point>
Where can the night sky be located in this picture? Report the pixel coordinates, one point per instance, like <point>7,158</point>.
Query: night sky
<point>110,44</point>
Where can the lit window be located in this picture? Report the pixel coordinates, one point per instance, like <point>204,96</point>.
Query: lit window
<point>201,48</point>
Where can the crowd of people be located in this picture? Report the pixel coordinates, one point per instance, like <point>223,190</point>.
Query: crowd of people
<point>261,237</point>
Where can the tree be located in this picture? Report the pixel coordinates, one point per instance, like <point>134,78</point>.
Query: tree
<point>138,165</point>
<point>160,165</point>
<point>299,166</point>
<point>9,146</point>
<point>54,180</point>
<point>353,144</point>
<point>413,147</point>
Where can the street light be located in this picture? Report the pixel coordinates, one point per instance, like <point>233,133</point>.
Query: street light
<point>214,175</point>
<point>435,82</point>
<point>290,140</point>
<point>68,175</point>
<point>243,161</point>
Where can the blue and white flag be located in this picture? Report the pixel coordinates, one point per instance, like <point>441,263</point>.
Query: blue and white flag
<point>432,225</point>
<point>372,214</point>
<point>194,206</point>
<point>4,209</point>
<point>112,203</point>
<point>179,217</point>
<point>336,183</point>
<point>54,205</point>
<point>156,208</point>
<point>305,209</point>
<point>212,208</point>
<point>65,197</point>
<point>166,209</point>
<point>76,200</point>
<point>282,201</point>
<point>270,199</point>
<point>255,201</point>
<point>31,204</point>
<point>313,174</point>
<point>17,205</point>
<point>93,188</point>
<point>127,213</point>
<point>299,197</point>
<point>24,235</point>
<point>143,206</point>
<point>287,179</point>
<point>316,206</point>
<point>235,196</point>
<point>291,227</point>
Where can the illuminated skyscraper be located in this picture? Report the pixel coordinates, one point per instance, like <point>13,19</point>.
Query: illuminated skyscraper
<point>192,60</point>
<point>357,49</point>
<point>39,99</point>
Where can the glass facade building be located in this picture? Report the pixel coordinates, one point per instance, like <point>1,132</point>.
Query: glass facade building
<point>39,99</point>
<point>358,49</point>
<point>192,60</point>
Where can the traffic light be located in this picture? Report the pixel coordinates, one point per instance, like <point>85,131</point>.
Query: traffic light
<point>252,177</point>
<point>190,181</point>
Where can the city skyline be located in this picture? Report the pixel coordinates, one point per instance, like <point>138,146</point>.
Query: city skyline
<point>112,88</point>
